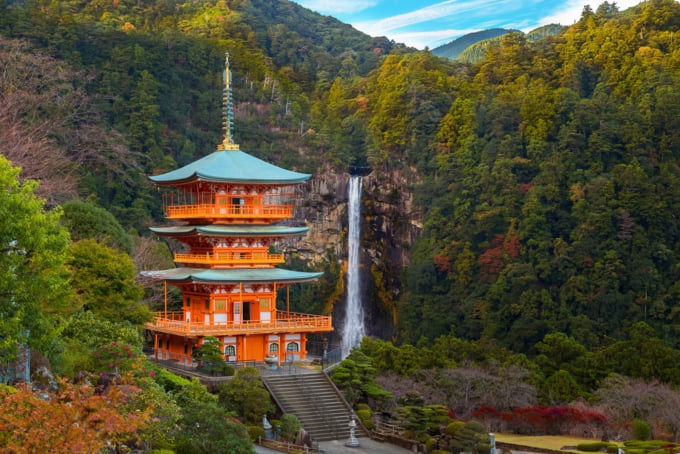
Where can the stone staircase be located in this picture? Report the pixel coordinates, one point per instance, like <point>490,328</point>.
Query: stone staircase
<point>317,403</point>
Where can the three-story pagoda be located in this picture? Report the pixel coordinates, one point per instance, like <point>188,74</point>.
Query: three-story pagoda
<point>229,204</point>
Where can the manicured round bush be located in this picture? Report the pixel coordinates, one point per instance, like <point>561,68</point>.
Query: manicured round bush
<point>364,415</point>
<point>429,444</point>
<point>254,432</point>
<point>453,426</point>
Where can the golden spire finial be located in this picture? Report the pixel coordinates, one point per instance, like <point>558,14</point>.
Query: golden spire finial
<point>227,109</point>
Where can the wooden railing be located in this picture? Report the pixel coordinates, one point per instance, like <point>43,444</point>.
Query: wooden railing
<point>231,258</point>
<point>229,211</point>
<point>174,323</point>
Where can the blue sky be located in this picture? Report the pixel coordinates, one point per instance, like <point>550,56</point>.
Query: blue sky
<point>431,23</point>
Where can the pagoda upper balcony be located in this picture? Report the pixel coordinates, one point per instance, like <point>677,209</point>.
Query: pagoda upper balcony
<point>242,206</point>
<point>231,259</point>
<point>284,322</point>
<point>230,212</point>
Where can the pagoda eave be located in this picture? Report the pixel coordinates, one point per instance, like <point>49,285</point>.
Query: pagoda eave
<point>230,230</point>
<point>231,276</point>
<point>230,166</point>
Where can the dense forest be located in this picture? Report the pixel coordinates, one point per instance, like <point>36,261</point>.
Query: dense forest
<point>549,183</point>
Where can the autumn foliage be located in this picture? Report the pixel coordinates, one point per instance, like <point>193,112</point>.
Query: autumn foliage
<point>502,248</point>
<point>542,420</point>
<point>73,420</point>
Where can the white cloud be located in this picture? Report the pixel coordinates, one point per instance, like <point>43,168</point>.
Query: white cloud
<point>430,39</point>
<point>438,11</point>
<point>436,24</point>
<point>337,7</point>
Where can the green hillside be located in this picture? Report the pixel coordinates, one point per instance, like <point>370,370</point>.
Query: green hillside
<point>453,49</point>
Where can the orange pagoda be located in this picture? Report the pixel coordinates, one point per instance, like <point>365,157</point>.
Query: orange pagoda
<point>228,204</point>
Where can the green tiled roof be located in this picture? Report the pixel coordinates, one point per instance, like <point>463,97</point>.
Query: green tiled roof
<point>232,275</point>
<point>233,166</point>
<point>230,230</point>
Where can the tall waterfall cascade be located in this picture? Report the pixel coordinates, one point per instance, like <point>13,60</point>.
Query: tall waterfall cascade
<point>353,329</point>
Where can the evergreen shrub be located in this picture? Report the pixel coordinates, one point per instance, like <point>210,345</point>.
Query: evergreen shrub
<point>254,432</point>
<point>364,415</point>
<point>170,381</point>
<point>453,426</point>
<point>641,430</point>
<point>429,444</point>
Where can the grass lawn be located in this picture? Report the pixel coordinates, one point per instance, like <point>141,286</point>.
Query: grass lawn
<point>554,442</point>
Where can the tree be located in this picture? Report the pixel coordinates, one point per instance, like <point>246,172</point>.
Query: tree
<point>210,357</point>
<point>625,399</point>
<point>34,278</point>
<point>290,426</point>
<point>246,396</point>
<point>356,375</point>
<point>472,437</point>
<point>643,356</point>
<point>560,388</point>
<point>560,352</point>
<point>73,420</point>
<point>161,428</point>
<point>49,126</point>
<point>205,427</point>
<point>83,332</point>
<point>87,220</point>
<point>104,281</point>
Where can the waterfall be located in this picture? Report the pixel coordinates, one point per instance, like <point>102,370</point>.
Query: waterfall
<point>353,329</point>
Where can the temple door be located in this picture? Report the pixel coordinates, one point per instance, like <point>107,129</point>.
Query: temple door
<point>237,312</point>
<point>222,201</point>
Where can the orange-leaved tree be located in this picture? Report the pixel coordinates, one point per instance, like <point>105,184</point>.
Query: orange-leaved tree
<point>73,420</point>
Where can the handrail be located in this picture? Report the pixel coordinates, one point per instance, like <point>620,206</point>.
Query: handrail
<point>230,211</point>
<point>231,258</point>
<point>174,323</point>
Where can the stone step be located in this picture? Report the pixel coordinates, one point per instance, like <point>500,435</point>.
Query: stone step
<point>322,411</point>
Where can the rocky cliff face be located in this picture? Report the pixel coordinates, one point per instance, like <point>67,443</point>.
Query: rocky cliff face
<point>390,226</point>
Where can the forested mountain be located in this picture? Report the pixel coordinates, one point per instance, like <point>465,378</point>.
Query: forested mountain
<point>453,49</point>
<point>552,196</point>
<point>545,31</point>
<point>520,227</point>
<point>548,173</point>
<point>477,51</point>
<point>151,72</point>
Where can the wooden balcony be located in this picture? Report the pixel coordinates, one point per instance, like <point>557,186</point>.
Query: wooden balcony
<point>262,213</point>
<point>232,259</point>
<point>284,322</point>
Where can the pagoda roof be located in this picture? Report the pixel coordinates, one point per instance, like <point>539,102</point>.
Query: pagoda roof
<point>230,230</point>
<point>232,275</point>
<point>230,166</point>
